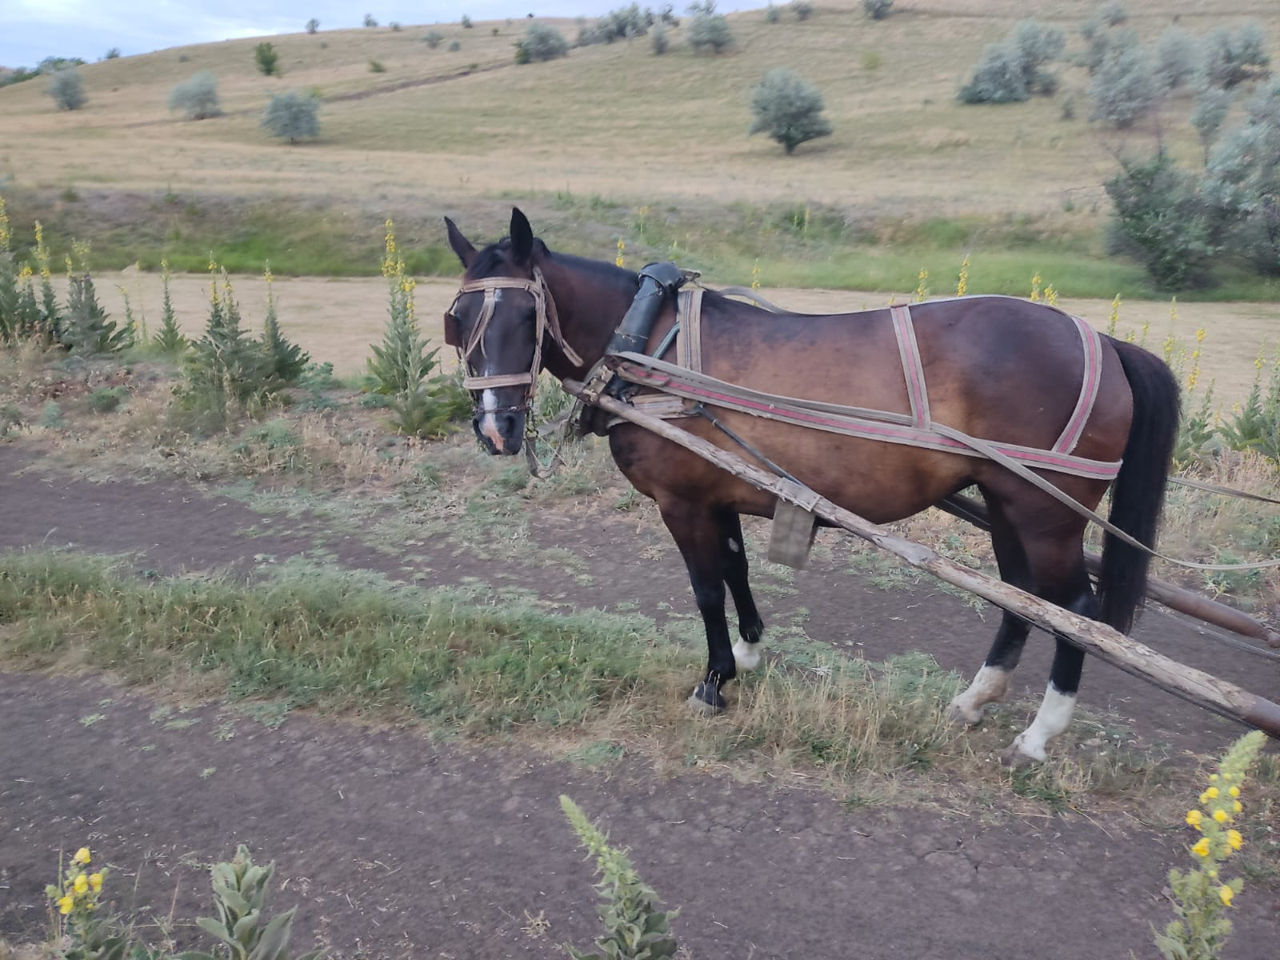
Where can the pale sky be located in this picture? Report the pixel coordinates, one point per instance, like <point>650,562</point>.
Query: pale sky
<point>31,30</point>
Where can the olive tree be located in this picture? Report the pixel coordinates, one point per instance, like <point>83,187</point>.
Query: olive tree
<point>788,109</point>
<point>292,115</point>
<point>67,89</point>
<point>197,97</point>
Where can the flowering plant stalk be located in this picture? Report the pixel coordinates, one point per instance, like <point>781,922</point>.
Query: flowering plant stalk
<point>1202,895</point>
<point>89,933</point>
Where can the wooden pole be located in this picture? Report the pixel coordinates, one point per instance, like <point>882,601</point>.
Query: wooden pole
<point>1094,637</point>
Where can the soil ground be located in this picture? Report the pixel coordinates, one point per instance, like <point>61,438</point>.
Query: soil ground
<point>392,845</point>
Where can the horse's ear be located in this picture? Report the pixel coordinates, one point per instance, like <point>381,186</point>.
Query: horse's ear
<point>521,237</point>
<point>461,245</point>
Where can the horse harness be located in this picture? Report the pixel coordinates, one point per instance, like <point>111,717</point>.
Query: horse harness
<point>546,321</point>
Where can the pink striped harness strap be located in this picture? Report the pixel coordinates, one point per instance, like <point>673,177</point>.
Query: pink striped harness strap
<point>918,429</point>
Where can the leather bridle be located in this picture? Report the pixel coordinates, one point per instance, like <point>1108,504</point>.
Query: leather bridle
<point>546,320</point>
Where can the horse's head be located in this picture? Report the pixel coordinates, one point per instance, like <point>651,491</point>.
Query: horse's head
<point>498,321</point>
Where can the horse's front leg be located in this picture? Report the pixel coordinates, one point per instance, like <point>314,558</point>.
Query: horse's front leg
<point>746,651</point>
<point>698,533</point>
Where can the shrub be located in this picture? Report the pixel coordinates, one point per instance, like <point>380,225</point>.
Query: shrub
<point>466,22</point>
<point>292,115</point>
<point>1243,181</point>
<point>620,24</point>
<point>772,14</point>
<point>658,40</point>
<point>708,29</point>
<point>1207,114</point>
<point>1123,89</point>
<point>1011,71</point>
<point>803,9</point>
<point>313,25</point>
<point>1176,58</point>
<point>877,9</point>
<point>377,66</point>
<point>106,399</point>
<point>1159,218</point>
<point>433,39</point>
<point>197,97</point>
<point>1231,59</point>
<point>455,46</point>
<point>268,61</point>
<point>113,54</point>
<point>788,109</point>
<point>369,20</point>
<point>67,89</point>
<point>541,42</point>
<point>998,78</point>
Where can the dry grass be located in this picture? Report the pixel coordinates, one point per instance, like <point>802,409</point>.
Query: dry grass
<point>611,120</point>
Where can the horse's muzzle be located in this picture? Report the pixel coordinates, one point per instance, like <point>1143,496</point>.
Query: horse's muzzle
<point>499,431</point>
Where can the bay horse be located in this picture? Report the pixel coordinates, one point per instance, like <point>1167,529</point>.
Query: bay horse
<point>998,368</point>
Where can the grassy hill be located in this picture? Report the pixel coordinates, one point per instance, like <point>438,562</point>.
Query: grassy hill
<point>610,142</point>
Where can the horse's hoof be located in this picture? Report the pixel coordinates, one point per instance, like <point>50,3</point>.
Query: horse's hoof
<point>963,715</point>
<point>1015,758</point>
<point>706,700</point>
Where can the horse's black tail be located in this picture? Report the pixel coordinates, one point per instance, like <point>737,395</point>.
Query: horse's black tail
<point>1138,492</point>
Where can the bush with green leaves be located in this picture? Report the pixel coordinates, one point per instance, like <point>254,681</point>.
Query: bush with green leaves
<point>620,24</point>
<point>196,97</point>
<point>1013,70</point>
<point>1208,111</point>
<point>708,30</point>
<point>803,9</point>
<point>66,87</point>
<point>370,20</point>
<point>292,116</point>
<point>433,38</point>
<point>541,42</point>
<point>1160,219</point>
<point>877,9</point>
<point>313,25</point>
<point>772,14</point>
<point>1229,59</point>
<point>85,328</point>
<point>788,109</point>
<point>1124,88</point>
<point>267,59</point>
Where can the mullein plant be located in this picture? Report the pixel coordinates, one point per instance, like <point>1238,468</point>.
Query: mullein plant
<point>1203,895</point>
<point>169,338</point>
<point>89,933</point>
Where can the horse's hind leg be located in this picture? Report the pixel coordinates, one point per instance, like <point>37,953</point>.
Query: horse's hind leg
<point>699,535</point>
<point>1057,565</point>
<point>992,681</point>
<point>746,651</point>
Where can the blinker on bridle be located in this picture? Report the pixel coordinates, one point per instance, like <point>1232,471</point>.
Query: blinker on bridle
<point>545,320</point>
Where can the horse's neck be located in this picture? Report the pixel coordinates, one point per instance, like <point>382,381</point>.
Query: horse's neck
<point>590,305</point>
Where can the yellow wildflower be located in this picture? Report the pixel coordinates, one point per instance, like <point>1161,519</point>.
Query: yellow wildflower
<point>1201,849</point>
<point>82,856</point>
<point>1213,778</point>
<point>65,904</point>
<point>80,884</point>
<point>1234,791</point>
<point>1220,816</point>
<point>1234,839</point>
<point>1225,894</point>
<point>95,882</point>
<point>1194,817</point>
